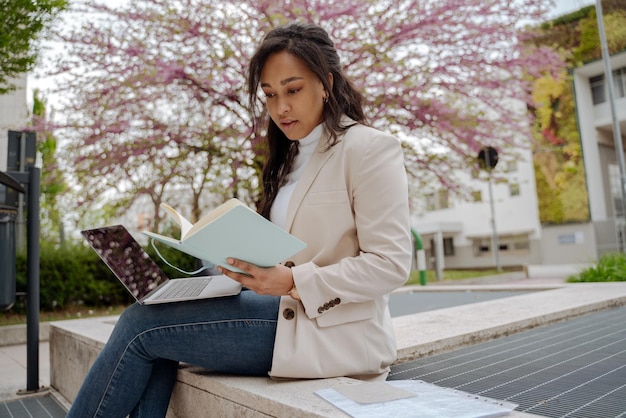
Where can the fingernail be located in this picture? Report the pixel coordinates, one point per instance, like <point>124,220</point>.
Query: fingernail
<point>230,261</point>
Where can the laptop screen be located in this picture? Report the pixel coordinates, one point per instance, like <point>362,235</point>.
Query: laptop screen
<point>126,259</point>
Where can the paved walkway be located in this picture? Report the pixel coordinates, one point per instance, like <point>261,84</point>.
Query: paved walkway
<point>13,358</point>
<point>13,366</point>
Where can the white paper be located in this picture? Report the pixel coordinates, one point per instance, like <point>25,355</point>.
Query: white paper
<point>432,401</point>
<point>373,392</point>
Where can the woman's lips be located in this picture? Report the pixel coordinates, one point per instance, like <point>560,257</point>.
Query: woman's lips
<point>288,124</point>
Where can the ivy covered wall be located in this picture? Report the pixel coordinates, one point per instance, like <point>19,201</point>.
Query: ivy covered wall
<point>558,160</point>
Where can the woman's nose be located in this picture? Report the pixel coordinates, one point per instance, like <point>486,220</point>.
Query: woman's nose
<point>283,106</point>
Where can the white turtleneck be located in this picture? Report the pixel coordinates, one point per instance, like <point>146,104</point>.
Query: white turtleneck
<point>306,148</point>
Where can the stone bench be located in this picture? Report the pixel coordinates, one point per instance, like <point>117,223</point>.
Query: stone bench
<point>75,344</point>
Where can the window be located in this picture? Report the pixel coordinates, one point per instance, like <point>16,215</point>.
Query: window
<point>619,82</point>
<point>511,166</point>
<point>448,246</point>
<point>482,247</point>
<point>444,200</point>
<point>597,84</point>
<point>514,189</point>
<point>438,200</point>
<point>509,245</point>
<point>597,89</point>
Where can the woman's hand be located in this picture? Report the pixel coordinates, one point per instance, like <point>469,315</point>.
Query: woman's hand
<point>277,280</point>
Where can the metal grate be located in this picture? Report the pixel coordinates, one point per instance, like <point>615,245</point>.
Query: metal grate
<point>32,407</point>
<point>574,368</point>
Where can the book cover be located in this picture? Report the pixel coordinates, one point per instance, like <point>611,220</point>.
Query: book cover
<point>232,230</point>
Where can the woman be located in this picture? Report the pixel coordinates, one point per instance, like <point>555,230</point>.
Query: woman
<point>333,182</point>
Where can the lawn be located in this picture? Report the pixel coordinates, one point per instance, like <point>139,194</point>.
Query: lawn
<point>9,318</point>
<point>431,276</point>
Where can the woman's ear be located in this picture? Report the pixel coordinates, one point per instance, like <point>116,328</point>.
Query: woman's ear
<point>330,80</point>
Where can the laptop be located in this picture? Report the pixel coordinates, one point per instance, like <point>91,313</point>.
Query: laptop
<point>143,278</point>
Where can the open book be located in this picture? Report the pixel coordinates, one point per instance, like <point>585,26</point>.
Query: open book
<point>232,230</point>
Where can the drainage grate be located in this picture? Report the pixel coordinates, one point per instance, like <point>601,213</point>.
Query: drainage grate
<point>32,407</point>
<point>574,368</point>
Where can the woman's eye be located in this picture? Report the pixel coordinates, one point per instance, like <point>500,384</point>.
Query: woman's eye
<point>269,95</point>
<point>293,91</point>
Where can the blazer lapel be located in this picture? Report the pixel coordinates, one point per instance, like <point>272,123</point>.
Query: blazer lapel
<point>315,164</point>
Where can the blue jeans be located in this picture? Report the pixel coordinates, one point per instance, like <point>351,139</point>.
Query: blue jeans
<point>136,370</point>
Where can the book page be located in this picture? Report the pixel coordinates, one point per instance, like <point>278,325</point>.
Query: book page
<point>184,224</point>
<point>213,215</point>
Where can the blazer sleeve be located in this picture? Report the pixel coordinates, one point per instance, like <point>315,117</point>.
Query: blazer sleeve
<point>376,185</point>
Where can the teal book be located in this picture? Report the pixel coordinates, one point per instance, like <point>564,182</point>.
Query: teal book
<point>232,230</point>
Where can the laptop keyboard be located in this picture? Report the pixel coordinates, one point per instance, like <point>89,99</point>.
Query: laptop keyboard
<point>183,288</point>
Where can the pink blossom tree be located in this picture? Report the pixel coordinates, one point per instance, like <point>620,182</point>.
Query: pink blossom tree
<point>154,89</point>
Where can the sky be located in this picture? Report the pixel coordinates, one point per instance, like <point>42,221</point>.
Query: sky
<point>562,7</point>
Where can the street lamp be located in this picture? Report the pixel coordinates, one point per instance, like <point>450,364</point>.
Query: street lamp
<point>488,158</point>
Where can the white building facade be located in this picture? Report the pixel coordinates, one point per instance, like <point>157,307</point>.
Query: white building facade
<point>460,234</point>
<point>13,116</point>
<point>600,147</point>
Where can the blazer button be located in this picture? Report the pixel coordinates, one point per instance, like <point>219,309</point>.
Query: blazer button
<point>320,310</point>
<point>337,301</point>
<point>289,314</point>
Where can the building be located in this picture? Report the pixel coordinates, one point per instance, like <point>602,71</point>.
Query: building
<point>13,116</point>
<point>604,183</point>
<point>460,234</point>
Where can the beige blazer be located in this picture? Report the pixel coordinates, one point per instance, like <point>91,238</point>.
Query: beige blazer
<point>351,208</point>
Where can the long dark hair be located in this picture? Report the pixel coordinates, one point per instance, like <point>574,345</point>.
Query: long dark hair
<point>312,45</point>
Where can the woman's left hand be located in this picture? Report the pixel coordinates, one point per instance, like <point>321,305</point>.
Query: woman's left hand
<point>277,280</point>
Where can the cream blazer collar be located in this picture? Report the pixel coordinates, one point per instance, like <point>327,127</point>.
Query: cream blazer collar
<point>314,166</point>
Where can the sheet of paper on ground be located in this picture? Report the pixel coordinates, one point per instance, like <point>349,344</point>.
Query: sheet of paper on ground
<point>428,401</point>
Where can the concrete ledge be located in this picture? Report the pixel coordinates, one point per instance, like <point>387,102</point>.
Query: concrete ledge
<point>235,396</point>
<point>16,334</point>
<point>555,270</point>
<point>445,329</point>
<point>75,344</point>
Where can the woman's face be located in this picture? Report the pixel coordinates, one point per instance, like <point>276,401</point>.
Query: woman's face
<point>294,95</point>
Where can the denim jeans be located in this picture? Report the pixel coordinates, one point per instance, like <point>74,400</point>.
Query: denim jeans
<point>136,370</point>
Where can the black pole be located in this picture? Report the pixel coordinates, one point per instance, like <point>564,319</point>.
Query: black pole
<point>32,315</point>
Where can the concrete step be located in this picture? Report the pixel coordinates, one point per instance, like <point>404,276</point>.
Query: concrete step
<point>75,344</point>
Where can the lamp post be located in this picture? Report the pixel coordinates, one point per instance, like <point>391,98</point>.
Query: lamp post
<point>488,158</point>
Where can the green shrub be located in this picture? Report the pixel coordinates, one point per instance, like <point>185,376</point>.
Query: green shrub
<point>610,268</point>
<point>73,275</point>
